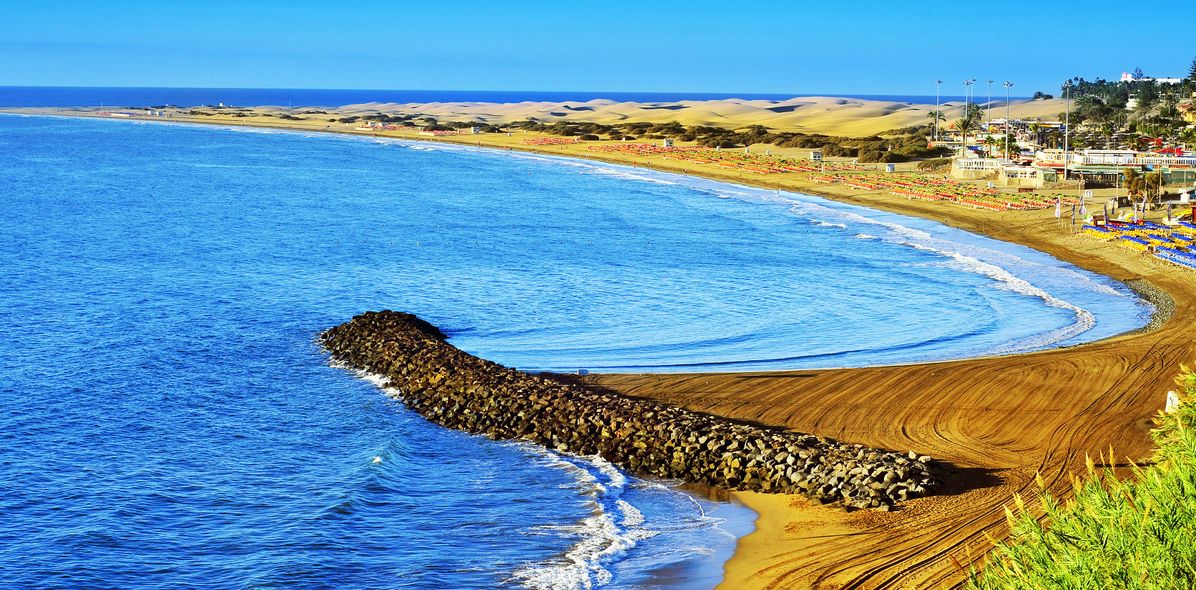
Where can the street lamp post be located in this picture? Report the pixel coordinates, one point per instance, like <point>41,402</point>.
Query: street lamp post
<point>1066,129</point>
<point>988,105</point>
<point>967,112</point>
<point>1007,86</point>
<point>937,85</point>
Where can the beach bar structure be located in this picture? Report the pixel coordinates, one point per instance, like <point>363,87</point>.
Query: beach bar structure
<point>1022,176</point>
<point>975,168</point>
<point>1002,172</point>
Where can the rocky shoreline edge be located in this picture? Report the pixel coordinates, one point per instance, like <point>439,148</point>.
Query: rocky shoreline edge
<point>457,390</point>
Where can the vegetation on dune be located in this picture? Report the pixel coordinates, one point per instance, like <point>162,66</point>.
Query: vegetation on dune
<point>898,146</point>
<point>935,165</point>
<point>1133,533</point>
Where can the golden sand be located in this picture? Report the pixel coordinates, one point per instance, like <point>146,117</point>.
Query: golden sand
<point>832,116</point>
<point>1001,420</point>
<point>826,115</point>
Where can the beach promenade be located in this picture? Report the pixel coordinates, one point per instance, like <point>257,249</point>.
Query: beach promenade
<point>1002,419</point>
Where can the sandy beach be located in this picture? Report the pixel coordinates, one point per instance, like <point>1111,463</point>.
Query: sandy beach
<point>1001,420</point>
<point>830,115</point>
<point>848,117</point>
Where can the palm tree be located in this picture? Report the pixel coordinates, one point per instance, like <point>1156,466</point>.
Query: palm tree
<point>964,125</point>
<point>1134,184</point>
<point>1153,185</point>
<point>969,122</point>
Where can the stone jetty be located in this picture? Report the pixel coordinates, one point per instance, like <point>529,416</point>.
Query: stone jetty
<point>458,390</point>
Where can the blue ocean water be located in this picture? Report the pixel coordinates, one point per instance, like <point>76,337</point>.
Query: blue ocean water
<point>169,420</point>
<point>57,96</point>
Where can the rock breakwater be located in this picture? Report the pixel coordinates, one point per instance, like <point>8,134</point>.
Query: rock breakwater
<point>458,390</point>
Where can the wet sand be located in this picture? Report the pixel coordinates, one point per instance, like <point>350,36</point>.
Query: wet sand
<point>1000,419</point>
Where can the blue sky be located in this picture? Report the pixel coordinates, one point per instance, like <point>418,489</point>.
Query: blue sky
<point>610,45</point>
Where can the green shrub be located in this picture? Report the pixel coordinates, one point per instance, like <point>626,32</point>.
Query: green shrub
<point>870,154</point>
<point>935,164</point>
<point>1134,533</point>
<point>835,150</point>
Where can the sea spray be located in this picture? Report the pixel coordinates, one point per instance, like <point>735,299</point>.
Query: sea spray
<point>458,390</point>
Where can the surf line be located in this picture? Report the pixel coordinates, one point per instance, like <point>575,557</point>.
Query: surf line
<point>457,390</point>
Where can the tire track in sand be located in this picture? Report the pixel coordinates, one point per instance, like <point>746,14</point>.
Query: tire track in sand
<point>1001,420</point>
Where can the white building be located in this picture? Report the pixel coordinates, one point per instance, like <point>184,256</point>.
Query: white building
<point>975,168</point>
<point>1128,77</point>
<point>1021,176</point>
<point>1107,157</point>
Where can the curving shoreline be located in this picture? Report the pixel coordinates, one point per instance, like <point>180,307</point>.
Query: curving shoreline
<point>1004,418</point>
<point>461,391</point>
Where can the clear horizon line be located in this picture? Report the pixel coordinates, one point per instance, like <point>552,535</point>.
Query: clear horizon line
<point>773,93</point>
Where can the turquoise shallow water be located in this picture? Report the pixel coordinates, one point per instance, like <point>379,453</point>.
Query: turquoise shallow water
<point>170,422</point>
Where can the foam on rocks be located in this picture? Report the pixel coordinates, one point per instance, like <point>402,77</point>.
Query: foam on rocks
<point>457,390</point>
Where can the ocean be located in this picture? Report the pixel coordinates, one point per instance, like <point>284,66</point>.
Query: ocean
<point>171,422</point>
<point>53,96</point>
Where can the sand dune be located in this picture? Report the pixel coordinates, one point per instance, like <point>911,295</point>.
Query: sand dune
<point>835,116</point>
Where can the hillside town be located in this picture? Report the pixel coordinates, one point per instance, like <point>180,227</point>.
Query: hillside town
<point>1108,132</point>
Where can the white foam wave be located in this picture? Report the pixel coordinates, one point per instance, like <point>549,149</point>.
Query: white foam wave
<point>614,527</point>
<point>1004,279</point>
<point>632,517</point>
<point>377,380</point>
<point>1001,276</point>
<point>622,172</point>
<point>627,175</point>
<point>912,235</point>
<point>821,223</point>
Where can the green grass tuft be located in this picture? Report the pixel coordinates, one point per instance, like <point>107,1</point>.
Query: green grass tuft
<point>1139,532</point>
